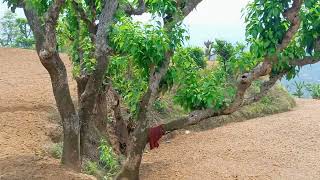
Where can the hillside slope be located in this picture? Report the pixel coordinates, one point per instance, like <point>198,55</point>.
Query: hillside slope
<point>26,103</point>
<point>28,118</point>
<point>281,146</point>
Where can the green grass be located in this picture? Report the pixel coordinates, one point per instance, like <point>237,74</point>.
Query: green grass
<point>56,150</point>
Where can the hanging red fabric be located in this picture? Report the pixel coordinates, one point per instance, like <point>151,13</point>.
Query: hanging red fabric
<point>154,135</point>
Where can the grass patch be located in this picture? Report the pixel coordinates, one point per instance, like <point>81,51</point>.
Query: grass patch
<point>56,150</point>
<point>106,167</point>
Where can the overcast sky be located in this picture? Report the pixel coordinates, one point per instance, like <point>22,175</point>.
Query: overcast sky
<point>211,19</point>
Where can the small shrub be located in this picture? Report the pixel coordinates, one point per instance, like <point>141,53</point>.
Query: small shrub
<point>197,54</point>
<point>106,167</point>
<point>314,89</point>
<point>299,86</point>
<point>56,150</point>
<point>91,168</point>
<point>108,160</point>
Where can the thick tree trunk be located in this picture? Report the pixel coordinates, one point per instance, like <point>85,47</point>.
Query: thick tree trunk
<point>94,128</point>
<point>70,119</point>
<point>90,139</point>
<point>44,33</point>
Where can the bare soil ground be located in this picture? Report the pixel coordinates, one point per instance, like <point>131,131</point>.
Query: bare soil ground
<point>26,103</point>
<point>282,146</point>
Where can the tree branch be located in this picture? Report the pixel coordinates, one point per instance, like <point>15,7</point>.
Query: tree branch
<point>35,25</point>
<point>267,85</point>
<point>246,79</point>
<point>102,48</point>
<point>130,10</point>
<point>154,81</point>
<point>292,15</point>
<point>305,61</point>
<point>83,16</point>
<point>199,115</point>
<point>51,18</point>
<point>264,88</point>
<point>102,51</point>
<point>189,6</point>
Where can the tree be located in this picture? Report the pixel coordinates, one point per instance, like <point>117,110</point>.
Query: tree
<point>24,37</point>
<point>9,30</point>
<point>15,32</point>
<point>224,52</point>
<point>102,31</point>
<point>208,50</point>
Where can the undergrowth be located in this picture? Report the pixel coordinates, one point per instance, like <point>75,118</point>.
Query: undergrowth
<point>107,166</point>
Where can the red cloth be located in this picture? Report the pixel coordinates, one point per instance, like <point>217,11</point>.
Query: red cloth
<point>154,135</point>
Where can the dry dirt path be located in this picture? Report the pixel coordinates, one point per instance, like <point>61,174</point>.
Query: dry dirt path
<point>281,146</point>
<point>26,104</point>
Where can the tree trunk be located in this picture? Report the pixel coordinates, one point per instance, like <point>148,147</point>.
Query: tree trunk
<point>90,139</point>
<point>120,126</point>
<point>94,128</point>
<point>136,145</point>
<point>69,117</point>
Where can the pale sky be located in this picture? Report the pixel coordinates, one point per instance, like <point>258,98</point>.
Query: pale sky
<point>211,19</point>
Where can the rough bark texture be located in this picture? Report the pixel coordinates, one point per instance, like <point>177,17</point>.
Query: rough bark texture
<point>46,48</point>
<point>95,81</point>
<point>264,88</point>
<point>121,127</point>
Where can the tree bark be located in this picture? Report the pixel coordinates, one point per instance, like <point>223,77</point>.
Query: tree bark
<point>136,145</point>
<point>95,81</point>
<point>70,119</point>
<point>46,48</point>
<point>120,128</point>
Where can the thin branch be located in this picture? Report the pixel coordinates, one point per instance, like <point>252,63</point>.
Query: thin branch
<point>305,61</point>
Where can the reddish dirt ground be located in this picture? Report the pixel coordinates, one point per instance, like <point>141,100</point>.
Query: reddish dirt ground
<point>26,103</point>
<point>282,146</point>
